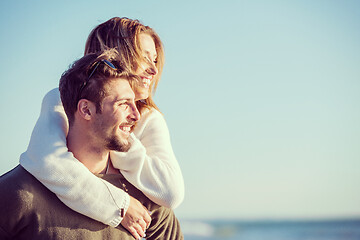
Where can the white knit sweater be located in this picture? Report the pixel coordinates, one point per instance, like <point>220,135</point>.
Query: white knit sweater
<point>150,165</point>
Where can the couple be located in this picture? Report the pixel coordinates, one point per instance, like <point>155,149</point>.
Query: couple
<point>106,121</point>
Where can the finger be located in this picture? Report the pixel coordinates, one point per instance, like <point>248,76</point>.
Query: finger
<point>142,224</point>
<point>147,219</point>
<point>139,230</point>
<point>134,232</point>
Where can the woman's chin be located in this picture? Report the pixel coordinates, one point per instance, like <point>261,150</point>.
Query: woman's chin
<point>141,95</point>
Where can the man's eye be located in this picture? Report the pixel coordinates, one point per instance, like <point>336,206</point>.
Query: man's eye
<point>123,104</point>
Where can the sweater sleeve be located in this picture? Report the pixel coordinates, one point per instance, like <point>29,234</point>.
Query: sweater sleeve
<point>150,163</point>
<point>48,159</point>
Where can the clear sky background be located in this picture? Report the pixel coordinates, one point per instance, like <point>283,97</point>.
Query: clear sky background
<point>262,98</point>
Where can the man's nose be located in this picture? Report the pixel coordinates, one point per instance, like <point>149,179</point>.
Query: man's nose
<point>134,115</point>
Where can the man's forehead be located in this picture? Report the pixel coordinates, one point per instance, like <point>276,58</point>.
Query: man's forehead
<point>120,88</point>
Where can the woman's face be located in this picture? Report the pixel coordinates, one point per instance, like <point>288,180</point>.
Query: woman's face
<point>147,70</point>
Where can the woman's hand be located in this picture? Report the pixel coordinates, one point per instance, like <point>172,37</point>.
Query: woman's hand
<point>137,219</point>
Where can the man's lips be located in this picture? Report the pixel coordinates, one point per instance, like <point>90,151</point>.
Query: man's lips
<point>125,128</point>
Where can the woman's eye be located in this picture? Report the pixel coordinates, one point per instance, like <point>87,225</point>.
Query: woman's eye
<point>148,59</point>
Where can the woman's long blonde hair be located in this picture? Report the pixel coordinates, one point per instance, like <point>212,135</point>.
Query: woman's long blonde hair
<point>123,35</point>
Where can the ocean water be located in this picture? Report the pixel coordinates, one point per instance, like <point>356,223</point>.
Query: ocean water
<point>272,230</point>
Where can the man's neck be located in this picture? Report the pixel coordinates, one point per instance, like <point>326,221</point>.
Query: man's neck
<point>87,152</point>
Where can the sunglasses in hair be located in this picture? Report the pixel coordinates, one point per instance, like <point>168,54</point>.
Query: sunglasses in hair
<point>95,66</point>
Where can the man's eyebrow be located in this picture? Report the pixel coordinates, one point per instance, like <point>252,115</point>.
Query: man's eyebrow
<point>122,100</point>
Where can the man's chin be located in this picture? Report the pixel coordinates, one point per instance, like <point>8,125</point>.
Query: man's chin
<point>119,146</point>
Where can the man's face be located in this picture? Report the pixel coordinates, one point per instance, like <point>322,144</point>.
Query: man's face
<point>119,113</point>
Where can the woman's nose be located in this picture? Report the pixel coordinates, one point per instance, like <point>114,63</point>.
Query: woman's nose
<point>152,69</point>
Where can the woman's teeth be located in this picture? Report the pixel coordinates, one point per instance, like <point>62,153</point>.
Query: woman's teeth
<point>146,82</point>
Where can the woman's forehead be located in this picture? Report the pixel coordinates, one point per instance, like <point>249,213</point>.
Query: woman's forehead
<point>147,44</point>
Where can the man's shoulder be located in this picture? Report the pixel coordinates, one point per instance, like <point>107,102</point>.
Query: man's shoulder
<point>20,186</point>
<point>18,177</point>
<point>31,211</point>
<point>18,190</point>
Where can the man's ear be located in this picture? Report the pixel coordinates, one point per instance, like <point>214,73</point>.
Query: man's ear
<point>86,109</point>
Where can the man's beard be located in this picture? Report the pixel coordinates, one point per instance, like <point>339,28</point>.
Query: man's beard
<point>111,141</point>
<point>115,144</point>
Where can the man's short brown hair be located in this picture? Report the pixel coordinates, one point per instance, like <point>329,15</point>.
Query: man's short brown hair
<point>86,79</point>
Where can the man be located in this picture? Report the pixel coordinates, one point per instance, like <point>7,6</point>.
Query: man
<point>99,103</point>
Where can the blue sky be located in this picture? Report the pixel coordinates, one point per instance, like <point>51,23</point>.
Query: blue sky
<point>261,97</point>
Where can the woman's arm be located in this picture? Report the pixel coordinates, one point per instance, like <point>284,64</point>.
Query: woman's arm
<point>48,159</point>
<point>150,164</point>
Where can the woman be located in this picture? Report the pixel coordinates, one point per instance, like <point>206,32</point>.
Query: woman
<point>150,164</point>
